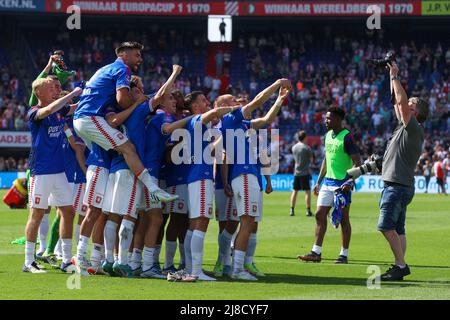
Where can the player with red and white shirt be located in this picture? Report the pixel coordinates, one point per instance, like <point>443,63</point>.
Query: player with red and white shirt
<point>47,170</point>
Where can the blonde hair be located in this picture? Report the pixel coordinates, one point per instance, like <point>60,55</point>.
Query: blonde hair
<point>39,83</point>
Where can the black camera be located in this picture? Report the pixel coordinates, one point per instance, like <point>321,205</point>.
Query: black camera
<point>383,63</point>
<point>374,165</point>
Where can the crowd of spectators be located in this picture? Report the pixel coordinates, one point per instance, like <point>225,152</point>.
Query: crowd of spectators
<point>12,107</point>
<point>13,164</point>
<point>333,70</point>
<point>344,77</point>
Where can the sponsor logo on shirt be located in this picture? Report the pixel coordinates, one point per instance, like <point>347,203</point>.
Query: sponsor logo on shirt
<point>54,131</point>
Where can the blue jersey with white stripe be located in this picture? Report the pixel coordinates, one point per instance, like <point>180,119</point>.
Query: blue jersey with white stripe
<point>47,139</point>
<point>155,142</point>
<point>134,129</point>
<point>199,170</point>
<point>245,154</point>
<point>100,90</point>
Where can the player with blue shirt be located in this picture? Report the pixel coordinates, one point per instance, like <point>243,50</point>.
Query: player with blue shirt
<point>244,176</point>
<point>98,178</point>
<point>200,179</point>
<point>110,85</point>
<point>158,130</point>
<point>175,179</point>
<point>47,170</point>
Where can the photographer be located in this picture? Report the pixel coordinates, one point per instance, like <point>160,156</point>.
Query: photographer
<point>400,159</point>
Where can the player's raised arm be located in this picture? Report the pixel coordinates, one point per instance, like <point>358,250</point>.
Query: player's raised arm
<point>263,96</point>
<point>402,109</point>
<point>56,105</point>
<point>272,113</point>
<point>166,88</point>
<point>168,128</point>
<point>217,113</point>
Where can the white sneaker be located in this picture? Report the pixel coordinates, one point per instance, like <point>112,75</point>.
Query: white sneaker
<point>204,277</point>
<point>33,268</point>
<point>164,196</point>
<point>243,275</point>
<point>82,266</point>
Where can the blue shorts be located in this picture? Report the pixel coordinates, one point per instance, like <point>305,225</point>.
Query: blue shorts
<point>393,203</point>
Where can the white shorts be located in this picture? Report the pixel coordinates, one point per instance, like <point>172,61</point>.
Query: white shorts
<point>51,201</point>
<point>247,195</point>
<point>225,207</point>
<point>201,195</point>
<point>126,194</point>
<point>96,129</point>
<point>180,205</point>
<point>53,186</point>
<point>109,192</point>
<point>326,196</point>
<point>97,180</point>
<point>77,196</point>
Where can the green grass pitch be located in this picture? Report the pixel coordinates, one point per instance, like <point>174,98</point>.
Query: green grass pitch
<point>280,239</point>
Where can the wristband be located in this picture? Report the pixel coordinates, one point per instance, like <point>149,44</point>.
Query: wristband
<point>68,133</point>
<point>395,78</point>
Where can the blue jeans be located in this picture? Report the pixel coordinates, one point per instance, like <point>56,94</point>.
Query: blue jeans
<point>393,203</point>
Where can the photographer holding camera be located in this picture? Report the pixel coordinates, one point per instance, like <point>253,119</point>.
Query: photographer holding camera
<point>400,159</point>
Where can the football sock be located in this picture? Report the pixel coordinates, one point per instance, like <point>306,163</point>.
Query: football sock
<point>110,240</point>
<point>53,237</point>
<point>136,259</point>
<point>344,252</point>
<point>146,179</point>
<point>171,249</point>
<point>251,248</point>
<point>43,230</point>
<point>125,239</point>
<point>224,245</point>
<point>317,249</point>
<point>66,250</point>
<point>96,254</point>
<point>82,247</point>
<point>149,258</point>
<point>198,238</point>
<point>58,249</point>
<point>29,252</point>
<point>187,251</point>
<point>238,258</point>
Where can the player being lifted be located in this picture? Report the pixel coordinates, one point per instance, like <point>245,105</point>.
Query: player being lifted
<point>111,85</point>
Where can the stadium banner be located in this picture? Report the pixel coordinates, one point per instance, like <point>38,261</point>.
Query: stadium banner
<point>238,8</point>
<point>436,8</point>
<point>328,8</point>
<point>15,139</point>
<point>7,178</point>
<point>174,8</point>
<point>366,183</point>
<point>22,5</point>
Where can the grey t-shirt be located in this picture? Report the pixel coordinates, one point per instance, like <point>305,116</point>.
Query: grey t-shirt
<point>302,156</point>
<point>402,153</point>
